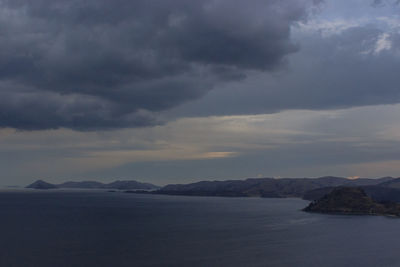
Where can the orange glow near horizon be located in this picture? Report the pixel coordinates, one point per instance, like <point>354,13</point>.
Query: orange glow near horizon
<point>353,177</point>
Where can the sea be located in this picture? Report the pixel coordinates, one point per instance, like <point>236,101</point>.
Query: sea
<point>99,228</point>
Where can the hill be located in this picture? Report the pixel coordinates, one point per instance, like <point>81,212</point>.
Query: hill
<point>352,200</point>
<point>39,184</point>
<point>264,187</point>
<point>393,183</point>
<point>121,185</point>
<point>379,193</point>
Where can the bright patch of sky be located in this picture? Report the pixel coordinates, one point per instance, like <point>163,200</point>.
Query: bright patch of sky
<point>334,17</point>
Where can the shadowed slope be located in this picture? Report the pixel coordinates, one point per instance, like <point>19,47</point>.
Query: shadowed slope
<point>352,200</point>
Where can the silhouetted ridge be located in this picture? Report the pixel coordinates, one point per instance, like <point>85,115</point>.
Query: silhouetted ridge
<point>39,184</point>
<point>264,187</point>
<point>352,200</point>
<point>122,185</point>
<point>378,193</point>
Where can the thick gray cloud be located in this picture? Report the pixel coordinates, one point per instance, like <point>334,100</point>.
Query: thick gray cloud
<point>108,64</point>
<point>357,66</point>
<point>379,3</point>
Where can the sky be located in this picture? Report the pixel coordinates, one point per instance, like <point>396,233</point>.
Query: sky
<point>177,91</point>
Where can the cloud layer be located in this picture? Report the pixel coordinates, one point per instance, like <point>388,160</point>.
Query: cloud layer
<point>100,64</point>
<point>340,65</point>
<point>360,141</point>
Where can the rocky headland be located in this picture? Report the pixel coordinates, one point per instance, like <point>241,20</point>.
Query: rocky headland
<point>352,200</point>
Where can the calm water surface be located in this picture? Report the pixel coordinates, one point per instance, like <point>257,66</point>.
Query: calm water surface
<point>118,229</point>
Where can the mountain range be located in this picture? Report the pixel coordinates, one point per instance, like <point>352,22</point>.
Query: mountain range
<point>272,187</point>
<point>120,185</point>
<point>380,189</point>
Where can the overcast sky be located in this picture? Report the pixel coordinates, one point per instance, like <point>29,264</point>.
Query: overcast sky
<point>176,91</point>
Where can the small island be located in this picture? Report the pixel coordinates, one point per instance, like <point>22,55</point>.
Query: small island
<point>352,200</point>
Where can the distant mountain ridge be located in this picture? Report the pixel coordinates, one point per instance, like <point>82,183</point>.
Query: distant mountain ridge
<point>120,185</point>
<point>393,183</point>
<point>379,189</point>
<point>266,187</point>
<point>40,184</point>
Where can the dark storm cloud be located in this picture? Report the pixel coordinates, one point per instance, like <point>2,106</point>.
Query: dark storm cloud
<point>108,64</point>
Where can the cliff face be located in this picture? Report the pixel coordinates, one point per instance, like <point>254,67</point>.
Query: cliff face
<point>352,200</point>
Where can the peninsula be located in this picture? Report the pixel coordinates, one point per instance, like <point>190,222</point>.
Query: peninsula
<point>352,200</point>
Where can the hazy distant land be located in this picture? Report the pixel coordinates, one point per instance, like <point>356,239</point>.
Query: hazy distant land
<point>328,194</point>
<point>307,188</point>
<point>379,190</point>
<point>120,185</point>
